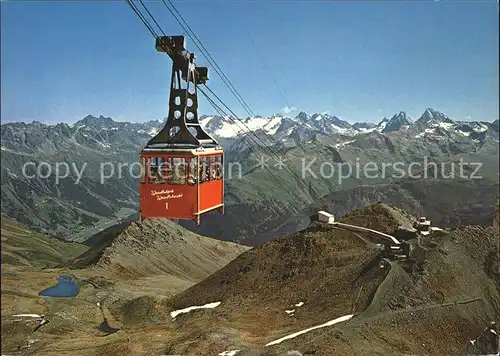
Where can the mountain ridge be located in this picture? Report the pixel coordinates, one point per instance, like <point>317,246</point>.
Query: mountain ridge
<point>151,293</point>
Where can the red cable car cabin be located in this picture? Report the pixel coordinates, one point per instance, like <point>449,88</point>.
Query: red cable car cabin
<point>182,166</point>
<point>181,184</point>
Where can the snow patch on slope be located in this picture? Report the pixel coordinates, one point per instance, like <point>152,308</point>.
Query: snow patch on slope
<point>342,144</point>
<point>291,336</point>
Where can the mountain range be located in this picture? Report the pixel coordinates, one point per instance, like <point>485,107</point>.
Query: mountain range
<point>303,124</point>
<point>95,145</point>
<point>153,288</point>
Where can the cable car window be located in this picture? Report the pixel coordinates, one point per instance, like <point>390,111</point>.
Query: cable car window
<point>156,170</point>
<point>161,163</point>
<point>218,167</point>
<point>212,167</point>
<point>200,170</point>
<point>176,174</point>
<point>143,170</point>
<point>206,169</point>
<point>193,171</point>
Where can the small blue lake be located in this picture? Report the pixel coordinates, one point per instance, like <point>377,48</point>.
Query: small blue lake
<point>65,287</point>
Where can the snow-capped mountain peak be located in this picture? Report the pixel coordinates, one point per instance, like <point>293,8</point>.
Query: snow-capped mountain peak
<point>381,125</point>
<point>302,116</point>
<point>303,127</point>
<point>221,126</point>
<point>398,121</point>
<point>431,115</point>
<point>99,132</point>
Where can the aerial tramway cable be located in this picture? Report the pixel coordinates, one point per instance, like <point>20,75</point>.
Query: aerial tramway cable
<point>263,146</point>
<point>275,82</point>
<point>268,150</point>
<point>152,17</point>
<point>222,75</point>
<point>261,57</point>
<point>228,83</point>
<point>141,17</point>
<point>221,111</point>
<point>180,19</point>
<point>224,78</point>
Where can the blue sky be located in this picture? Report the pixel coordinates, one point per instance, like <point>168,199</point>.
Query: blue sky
<point>359,60</point>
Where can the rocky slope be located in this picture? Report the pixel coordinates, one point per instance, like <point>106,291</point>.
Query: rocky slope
<point>123,268</point>
<point>309,278</point>
<point>154,247</point>
<point>316,292</point>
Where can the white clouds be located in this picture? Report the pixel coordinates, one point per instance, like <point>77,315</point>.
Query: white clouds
<point>288,110</point>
